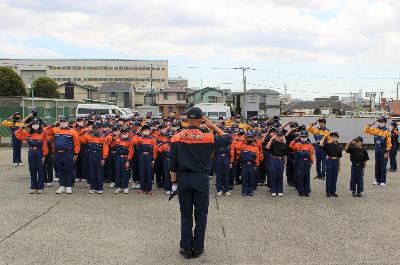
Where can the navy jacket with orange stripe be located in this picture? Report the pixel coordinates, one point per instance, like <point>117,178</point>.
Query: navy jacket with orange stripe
<point>191,150</point>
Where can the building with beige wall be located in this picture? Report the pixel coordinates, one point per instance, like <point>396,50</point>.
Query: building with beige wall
<point>93,72</point>
<point>171,99</point>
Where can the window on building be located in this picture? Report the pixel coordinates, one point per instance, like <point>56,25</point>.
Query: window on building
<point>165,96</point>
<point>214,99</point>
<point>180,96</point>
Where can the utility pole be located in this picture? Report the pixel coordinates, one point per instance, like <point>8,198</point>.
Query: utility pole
<point>151,84</point>
<point>397,89</point>
<point>244,69</point>
<point>285,88</point>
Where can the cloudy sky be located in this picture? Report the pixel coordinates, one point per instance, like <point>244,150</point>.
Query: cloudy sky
<point>315,47</point>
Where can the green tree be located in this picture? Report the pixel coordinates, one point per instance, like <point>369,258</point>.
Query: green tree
<point>45,87</point>
<point>10,83</point>
<point>317,111</point>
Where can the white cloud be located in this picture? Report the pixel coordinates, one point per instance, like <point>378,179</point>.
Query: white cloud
<point>360,32</point>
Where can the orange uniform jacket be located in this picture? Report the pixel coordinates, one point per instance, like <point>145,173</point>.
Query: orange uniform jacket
<point>97,141</point>
<point>143,143</point>
<point>59,135</point>
<point>299,146</point>
<point>123,144</point>
<point>34,139</point>
<point>250,149</point>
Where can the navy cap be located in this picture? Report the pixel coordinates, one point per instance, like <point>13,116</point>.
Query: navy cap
<point>194,113</point>
<point>146,126</point>
<point>125,129</point>
<point>240,131</point>
<point>334,134</point>
<point>393,123</point>
<point>79,118</point>
<point>279,132</point>
<point>115,128</point>
<point>294,124</point>
<point>322,120</point>
<point>96,125</point>
<point>304,133</point>
<point>382,119</point>
<point>35,120</point>
<point>359,139</point>
<point>63,119</point>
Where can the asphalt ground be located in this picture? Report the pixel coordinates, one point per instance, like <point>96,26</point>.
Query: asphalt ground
<point>132,229</point>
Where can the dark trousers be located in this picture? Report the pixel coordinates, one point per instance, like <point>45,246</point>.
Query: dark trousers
<point>158,169</point>
<point>64,166</point>
<point>320,160</point>
<point>110,166</point>
<point>122,174</point>
<point>277,167</point>
<point>48,167</point>
<point>302,173</point>
<point>36,169</point>
<point>16,145</point>
<point>392,157</point>
<point>357,178</point>
<point>267,165</point>
<point>167,175</point>
<point>248,177</point>
<point>96,170</point>
<point>135,166</point>
<point>193,192</point>
<point>82,163</point>
<point>380,165</point>
<point>291,180</point>
<point>332,171</point>
<point>222,171</point>
<point>145,171</point>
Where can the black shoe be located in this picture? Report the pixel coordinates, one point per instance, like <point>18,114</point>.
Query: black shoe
<point>328,194</point>
<point>334,194</point>
<point>322,178</point>
<point>354,194</point>
<point>306,195</point>
<point>186,254</point>
<point>301,194</point>
<point>359,194</point>
<point>197,253</point>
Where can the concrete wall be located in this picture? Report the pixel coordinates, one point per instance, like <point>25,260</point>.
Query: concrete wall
<point>348,128</point>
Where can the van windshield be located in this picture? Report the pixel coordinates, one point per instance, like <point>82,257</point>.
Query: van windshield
<point>97,111</point>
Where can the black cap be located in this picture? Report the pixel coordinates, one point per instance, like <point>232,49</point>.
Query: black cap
<point>393,123</point>
<point>194,113</point>
<point>79,118</point>
<point>322,120</point>
<point>115,128</point>
<point>359,139</point>
<point>125,129</point>
<point>382,119</point>
<point>304,133</point>
<point>63,119</point>
<point>146,126</point>
<point>279,133</point>
<point>334,134</point>
<point>35,120</point>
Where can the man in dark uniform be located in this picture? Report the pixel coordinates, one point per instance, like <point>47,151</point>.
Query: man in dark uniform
<point>191,151</point>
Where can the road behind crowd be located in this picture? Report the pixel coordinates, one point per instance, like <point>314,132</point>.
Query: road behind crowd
<point>132,229</point>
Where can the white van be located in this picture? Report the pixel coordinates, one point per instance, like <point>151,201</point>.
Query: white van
<point>215,110</point>
<point>83,110</point>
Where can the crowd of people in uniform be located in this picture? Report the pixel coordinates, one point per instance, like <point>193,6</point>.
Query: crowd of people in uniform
<point>120,151</point>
